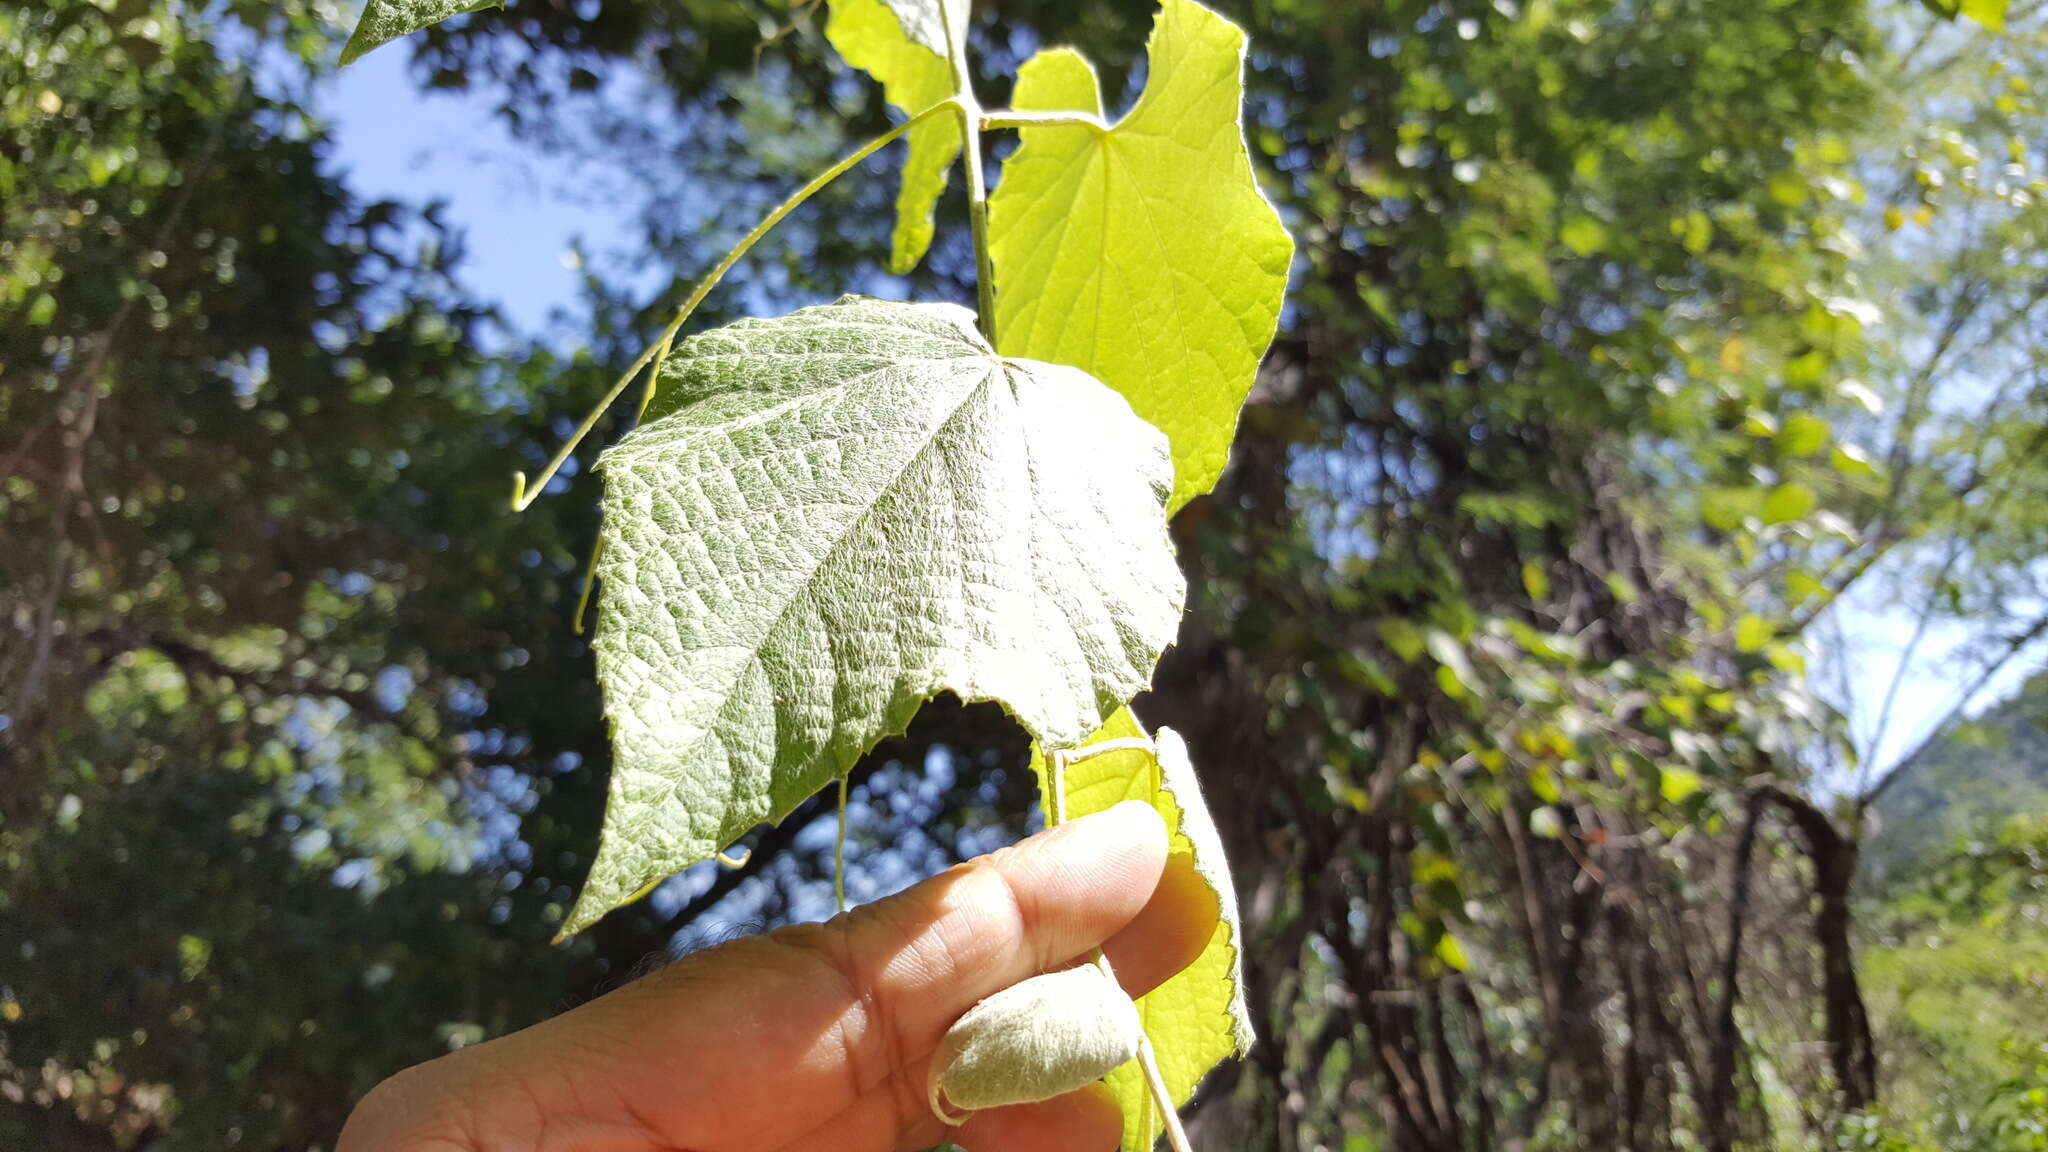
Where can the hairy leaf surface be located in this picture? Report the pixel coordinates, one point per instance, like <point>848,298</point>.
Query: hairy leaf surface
<point>1145,253</point>
<point>1198,1017</point>
<point>386,20</point>
<point>1036,1039</point>
<point>902,44</point>
<point>831,517</point>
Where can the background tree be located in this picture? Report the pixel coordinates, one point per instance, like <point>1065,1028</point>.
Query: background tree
<point>1500,621</point>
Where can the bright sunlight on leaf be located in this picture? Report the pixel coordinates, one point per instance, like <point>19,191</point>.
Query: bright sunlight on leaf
<point>1198,1017</point>
<point>831,517</point>
<point>386,20</point>
<point>902,44</point>
<point>1145,253</point>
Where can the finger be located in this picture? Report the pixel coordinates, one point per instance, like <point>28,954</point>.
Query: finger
<point>1175,925</point>
<point>929,954</point>
<point>917,961</point>
<point>1086,1120</point>
<point>1083,1121</point>
<point>758,1042</point>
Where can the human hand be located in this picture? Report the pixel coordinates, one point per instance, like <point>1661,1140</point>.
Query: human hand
<point>818,1037</point>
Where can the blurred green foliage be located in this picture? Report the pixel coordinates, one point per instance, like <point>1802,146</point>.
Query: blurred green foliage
<point>254,829</point>
<point>1959,971</point>
<point>1623,339</point>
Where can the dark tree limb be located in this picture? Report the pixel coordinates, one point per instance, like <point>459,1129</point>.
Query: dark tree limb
<point>1852,1052</point>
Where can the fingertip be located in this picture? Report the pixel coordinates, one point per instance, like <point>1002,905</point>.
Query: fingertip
<point>1085,1120</point>
<point>1145,824</point>
<point>1131,826</point>
<point>1169,933</point>
<point>1108,861</point>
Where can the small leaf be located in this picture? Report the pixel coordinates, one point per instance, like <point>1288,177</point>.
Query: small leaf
<point>1583,235</point>
<point>1402,638</point>
<point>386,20</point>
<point>1545,822</point>
<point>902,44</point>
<point>1852,460</point>
<point>1789,501</point>
<point>1622,588</point>
<point>1752,632</point>
<point>1455,674</point>
<point>1989,13</point>
<point>1452,953</point>
<point>1145,254</point>
<point>1731,357</point>
<point>1862,394</point>
<point>1724,509</point>
<point>1694,231</point>
<point>1805,370</point>
<point>1803,434</point>
<point>831,517</point>
<point>1198,1017</point>
<point>1036,1039</point>
<point>1801,586</point>
<point>1675,784</point>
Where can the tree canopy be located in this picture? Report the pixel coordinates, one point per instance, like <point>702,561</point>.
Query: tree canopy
<point>1620,342</point>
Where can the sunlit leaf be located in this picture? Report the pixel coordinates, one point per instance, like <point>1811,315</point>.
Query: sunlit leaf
<point>1752,632</point>
<point>902,44</point>
<point>1803,434</point>
<point>1145,253</point>
<point>1198,1017</point>
<point>1789,501</point>
<point>1675,784</point>
<point>829,518</point>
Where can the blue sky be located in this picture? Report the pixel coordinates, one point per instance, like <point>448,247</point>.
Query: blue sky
<point>394,141</point>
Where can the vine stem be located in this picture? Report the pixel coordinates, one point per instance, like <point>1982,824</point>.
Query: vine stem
<point>839,852</point>
<point>1025,118</point>
<point>1056,813</point>
<point>967,112</point>
<point>524,495</point>
<point>972,119</point>
<point>1148,1062</point>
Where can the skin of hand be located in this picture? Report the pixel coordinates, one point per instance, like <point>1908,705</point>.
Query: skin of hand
<point>818,1037</point>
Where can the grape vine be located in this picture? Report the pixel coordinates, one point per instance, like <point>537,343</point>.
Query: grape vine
<point>824,519</point>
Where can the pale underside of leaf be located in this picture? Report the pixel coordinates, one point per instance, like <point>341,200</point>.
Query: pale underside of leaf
<point>1198,1017</point>
<point>386,20</point>
<point>1145,254</point>
<point>1035,1040</point>
<point>925,22</point>
<point>833,516</point>
<point>902,44</point>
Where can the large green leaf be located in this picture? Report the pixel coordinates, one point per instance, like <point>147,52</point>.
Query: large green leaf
<point>1989,13</point>
<point>386,20</point>
<point>902,44</point>
<point>1198,1017</point>
<point>833,516</point>
<point>1145,253</point>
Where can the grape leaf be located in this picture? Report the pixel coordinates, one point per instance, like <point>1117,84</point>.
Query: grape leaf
<point>1144,253</point>
<point>902,44</point>
<point>386,20</point>
<point>829,518</point>
<point>1198,1017</point>
<point>1989,13</point>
